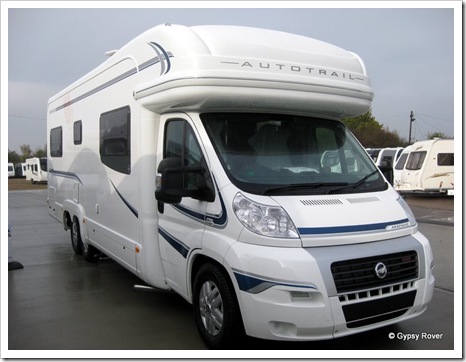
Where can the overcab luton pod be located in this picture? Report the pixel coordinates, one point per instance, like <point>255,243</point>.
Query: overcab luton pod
<point>212,161</point>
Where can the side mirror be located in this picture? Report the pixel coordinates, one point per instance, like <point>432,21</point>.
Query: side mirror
<point>387,170</point>
<point>169,181</point>
<point>175,181</point>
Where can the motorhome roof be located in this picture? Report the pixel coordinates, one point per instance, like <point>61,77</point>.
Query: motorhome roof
<point>228,55</point>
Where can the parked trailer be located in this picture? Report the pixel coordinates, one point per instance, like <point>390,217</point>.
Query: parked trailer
<point>379,155</point>
<point>249,223</point>
<point>399,166</point>
<point>36,169</point>
<point>20,169</point>
<point>11,170</point>
<point>429,168</point>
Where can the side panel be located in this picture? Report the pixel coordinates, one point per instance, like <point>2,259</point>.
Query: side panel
<point>109,197</point>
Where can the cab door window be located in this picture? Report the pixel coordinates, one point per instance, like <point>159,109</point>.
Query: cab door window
<point>181,142</point>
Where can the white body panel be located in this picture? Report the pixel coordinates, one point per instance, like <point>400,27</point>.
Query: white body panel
<point>429,168</point>
<point>174,73</point>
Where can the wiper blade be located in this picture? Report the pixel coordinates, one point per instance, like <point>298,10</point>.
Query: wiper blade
<point>356,184</point>
<point>295,187</point>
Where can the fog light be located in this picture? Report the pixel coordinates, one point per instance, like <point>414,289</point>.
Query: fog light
<point>283,329</point>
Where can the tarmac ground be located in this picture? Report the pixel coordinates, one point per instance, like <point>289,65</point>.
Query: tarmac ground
<point>60,302</point>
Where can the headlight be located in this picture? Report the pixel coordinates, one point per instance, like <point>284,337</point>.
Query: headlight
<point>264,220</point>
<point>409,213</point>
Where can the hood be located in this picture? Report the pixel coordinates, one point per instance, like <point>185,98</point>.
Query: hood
<point>326,220</point>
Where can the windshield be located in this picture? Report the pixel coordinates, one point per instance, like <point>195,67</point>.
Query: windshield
<point>290,155</point>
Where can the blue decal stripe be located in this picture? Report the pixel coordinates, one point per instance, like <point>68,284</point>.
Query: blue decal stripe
<point>177,244</point>
<point>66,175</point>
<point>255,284</point>
<point>119,78</point>
<point>349,228</point>
<point>130,207</point>
<point>219,220</point>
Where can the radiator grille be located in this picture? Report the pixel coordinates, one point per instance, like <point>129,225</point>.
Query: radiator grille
<point>360,274</point>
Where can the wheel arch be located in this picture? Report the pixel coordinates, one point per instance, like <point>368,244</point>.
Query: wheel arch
<point>199,259</point>
<point>70,210</point>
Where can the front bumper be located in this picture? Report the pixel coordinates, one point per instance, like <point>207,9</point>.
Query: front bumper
<point>291,294</point>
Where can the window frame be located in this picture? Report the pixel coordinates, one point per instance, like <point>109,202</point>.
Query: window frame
<point>56,138</point>
<point>115,152</point>
<point>78,132</point>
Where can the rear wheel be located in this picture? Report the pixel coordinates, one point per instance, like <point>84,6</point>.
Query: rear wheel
<point>216,309</point>
<point>76,241</point>
<point>90,253</point>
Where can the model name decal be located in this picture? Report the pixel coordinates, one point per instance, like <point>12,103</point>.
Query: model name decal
<point>296,69</point>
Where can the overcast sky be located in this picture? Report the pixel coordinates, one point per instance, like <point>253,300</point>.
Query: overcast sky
<point>409,53</point>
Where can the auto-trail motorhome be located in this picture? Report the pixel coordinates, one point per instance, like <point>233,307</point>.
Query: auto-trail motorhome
<point>36,169</point>
<point>249,222</point>
<point>429,168</point>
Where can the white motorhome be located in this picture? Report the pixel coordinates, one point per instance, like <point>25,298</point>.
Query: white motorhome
<point>36,169</point>
<point>11,170</point>
<point>249,222</point>
<point>429,168</point>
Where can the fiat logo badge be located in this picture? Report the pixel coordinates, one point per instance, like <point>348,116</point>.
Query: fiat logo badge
<point>381,270</point>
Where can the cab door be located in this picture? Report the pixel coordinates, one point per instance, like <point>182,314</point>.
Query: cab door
<point>181,226</point>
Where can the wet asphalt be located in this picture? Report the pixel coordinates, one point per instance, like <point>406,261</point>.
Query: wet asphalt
<point>57,302</point>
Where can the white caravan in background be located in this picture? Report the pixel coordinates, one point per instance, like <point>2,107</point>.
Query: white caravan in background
<point>249,221</point>
<point>429,168</point>
<point>20,169</point>
<point>399,166</point>
<point>379,155</point>
<point>36,169</point>
<point>11,170</point>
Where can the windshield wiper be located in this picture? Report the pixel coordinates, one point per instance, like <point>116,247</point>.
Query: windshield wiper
<point>356,184</point>
<point>295,187</point>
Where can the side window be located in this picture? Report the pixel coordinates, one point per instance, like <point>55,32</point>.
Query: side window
<point>401,161</point>
<point>445,159</point>
<point>78,132</point>
<point>56,142</point>
<point>415,160</point>
<point>115,145</point>
<point>180,141</point>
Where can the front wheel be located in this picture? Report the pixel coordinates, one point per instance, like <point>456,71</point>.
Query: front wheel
<point>216,310</point>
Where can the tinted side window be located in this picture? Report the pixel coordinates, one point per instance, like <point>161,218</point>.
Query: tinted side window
<point>445,159</point>
<point>78,132</point>
<point>115,145</point>
<point>181,142</point>
<point>56,142</point>
<point>401,161</point>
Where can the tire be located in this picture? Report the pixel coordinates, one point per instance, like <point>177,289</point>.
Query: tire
<point>90,253</point>
<point>216,311</point>
<point>76,241</point>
